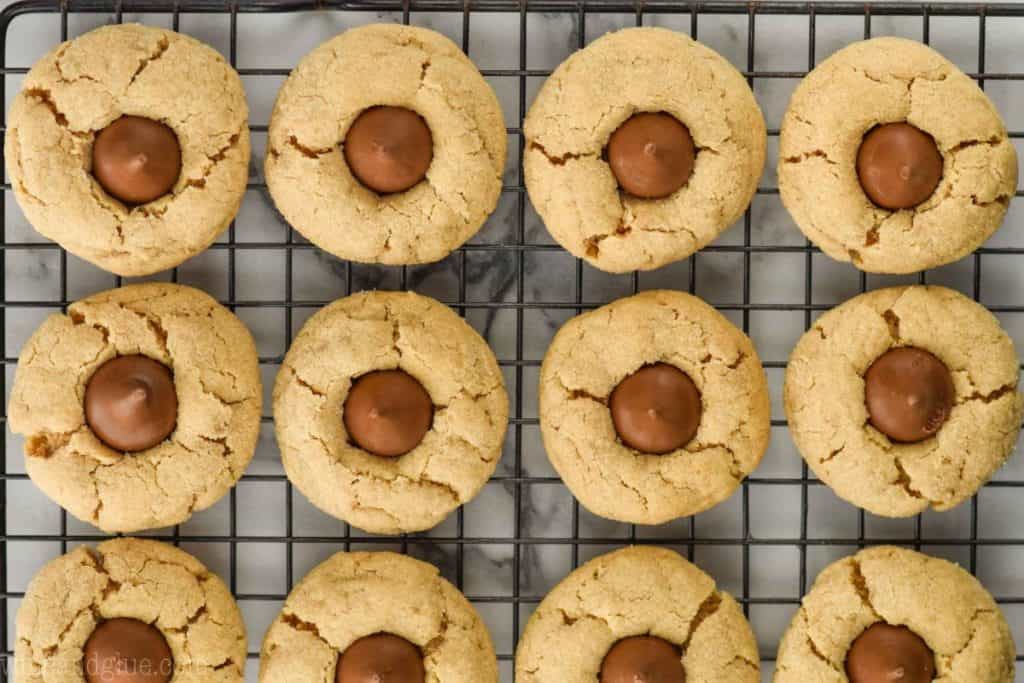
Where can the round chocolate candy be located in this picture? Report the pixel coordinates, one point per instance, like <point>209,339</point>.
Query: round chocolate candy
<point>389,149</point>
<point>127,651</point>
<point>381,658</point>
<point>651,155</point>
<point>899,166</point>
<point>131,403</point>
<point>909,394</point>
<point>643,659</point>
<point>657,409</point>
<point>887,654</point>
<point>136,159</point>
<point>388,412</point>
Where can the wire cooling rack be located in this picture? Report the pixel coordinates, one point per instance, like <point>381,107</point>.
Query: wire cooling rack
<point>524,532</point>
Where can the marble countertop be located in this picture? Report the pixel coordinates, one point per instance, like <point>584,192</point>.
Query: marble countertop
<point>777,282</point>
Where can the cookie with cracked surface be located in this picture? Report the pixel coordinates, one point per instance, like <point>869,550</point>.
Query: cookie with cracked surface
<point>616,600</point>
<point>935,600</point>
<point>841,435</point>
<point>368,200</point>
<point>75,404</point>
<point>597,92</point>
<point>127,587</point>
<point>336,611</point>
<point>443,462</point>
<point>174,159</point>
<point>595,356</point>
<point>868,88</point>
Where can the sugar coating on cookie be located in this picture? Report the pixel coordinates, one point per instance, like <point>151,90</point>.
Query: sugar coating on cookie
<point>589,97</point>
<point>335,205</point>
<point>353,596</point>
<point>216,380</point>
<point>935,599</point>
<point>638,591</point>
<point>128,580</point>
<point>82,87</point>
<point>595,352</point>
<point>851,96</point>
<point>829,416</point>
<point>396,491</point>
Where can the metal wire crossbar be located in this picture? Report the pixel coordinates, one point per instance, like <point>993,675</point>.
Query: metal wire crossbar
<point>518,247</point>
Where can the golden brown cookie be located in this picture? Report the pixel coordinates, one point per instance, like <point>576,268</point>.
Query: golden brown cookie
<point>639,591</point>
<point>937,600</point>
<point>217,385</point>
<point>596,90</point>
<point>594,352</point>
<point>880,81</point>
<point>81,87</point>
<point>354,595</point>
<point>830,421</point>
<point>127,578</point>
<point>401,66</point>
<point>374,331</point>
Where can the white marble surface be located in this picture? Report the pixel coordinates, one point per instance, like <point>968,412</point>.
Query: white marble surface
<point>776,281</point>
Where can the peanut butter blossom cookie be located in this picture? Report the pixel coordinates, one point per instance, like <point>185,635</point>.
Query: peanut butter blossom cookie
<point>904,399</point>
<point>139,407</point>
<point>638,615</point>
<point>891,158</point>
<point>386,146</point>
<point>390,411</point>
<point>130,611</point>
<point>377,618</point>
<point>889,614</point>
<point>129,146</point>
<point>642,148</point>
<point>653,407</point>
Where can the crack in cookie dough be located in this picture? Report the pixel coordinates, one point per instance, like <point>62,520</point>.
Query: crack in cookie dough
<point>316,191</point>
<point>306,151</point>
<point>936,599</point>
<point>161,48</point>
<point>588,359</point>
<point>45,97</point>
<point>707,609</point>
<point>813,649</point>
<point>632,592</point>
<point>881,81</point>
<point>812,154</point>
<point>903,480</point>
<point>562,159</point>
<point>353,595</point>
<point>215,159</point>
<point>824,399</point>
<point>589,96</point>
<point>84,85</point>
<point>379,331</point>
<point>217,379</point>
<point>297,624</point>
<point>860,585</point>
<point>133,578</point>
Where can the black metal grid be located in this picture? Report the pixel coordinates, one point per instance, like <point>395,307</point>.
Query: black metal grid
<point>518,247</point>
